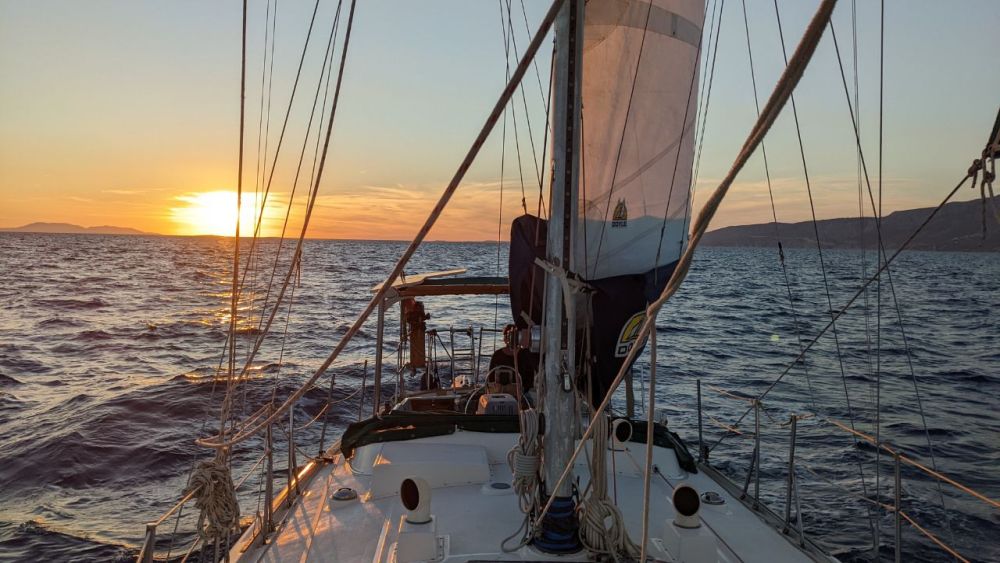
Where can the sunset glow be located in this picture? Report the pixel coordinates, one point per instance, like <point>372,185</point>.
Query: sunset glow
<point>214,213</point>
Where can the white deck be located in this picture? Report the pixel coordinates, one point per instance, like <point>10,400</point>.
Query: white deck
<point>472,518</point>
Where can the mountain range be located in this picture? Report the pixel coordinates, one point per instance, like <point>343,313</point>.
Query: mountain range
<point>67,228</point>
<point>956,227</point>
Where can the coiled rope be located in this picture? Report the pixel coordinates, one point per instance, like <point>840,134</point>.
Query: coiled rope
<point>524,460</point>
<point>215,497</point>
<point>602,526</point>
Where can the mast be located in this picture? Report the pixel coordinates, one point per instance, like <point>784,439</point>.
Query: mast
<point>559,328</point>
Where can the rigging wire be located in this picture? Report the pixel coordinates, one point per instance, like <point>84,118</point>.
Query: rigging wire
<point>508,91</point>
<point>861,213</point>
<point>259,217</point>
<point>527,115</point>
<point>677,155</point>
<point>786,85</point>
<point>843,309</point>
<point>856,116</point>
<point>888,272</point>
<point>327,72</point>
<point>236,238</point>
<point>503,157</point>
<point>774,212</point>
<point>822,266</point>
<point>706,94</point>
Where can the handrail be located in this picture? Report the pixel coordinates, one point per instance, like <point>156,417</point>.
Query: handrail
<point>914,463</point>
<point>730,394</point>
<point>871,440</point>
<point>897,455</point>
<point>184,500</point>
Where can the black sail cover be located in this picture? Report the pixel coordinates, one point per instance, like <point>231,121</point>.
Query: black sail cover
<point>618,302</point>
<point>640,64</point>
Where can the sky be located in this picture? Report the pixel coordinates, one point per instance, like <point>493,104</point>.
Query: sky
<point>126,113</point>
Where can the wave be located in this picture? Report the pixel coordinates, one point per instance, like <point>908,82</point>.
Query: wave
<point>8,381</point>
<point>27,541</point>
<point>94,303</point>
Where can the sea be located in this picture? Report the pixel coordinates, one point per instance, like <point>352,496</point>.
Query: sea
<point>109,347</point>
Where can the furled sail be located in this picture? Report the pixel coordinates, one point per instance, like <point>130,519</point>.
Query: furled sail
<point>639,96</point>
<point>636,158</point>
<point>639,86</point>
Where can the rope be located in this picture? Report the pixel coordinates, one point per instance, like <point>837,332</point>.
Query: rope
<point>238,285</point>
<point>649,444</point>
<point>326,69</point>
<point>216,498</point>
<point>602,526</point>
<point>220,441</point>
<point>782,90</point>
<point>524,461</point>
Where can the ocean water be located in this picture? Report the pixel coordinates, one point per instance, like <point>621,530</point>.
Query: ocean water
<point>108,346</point>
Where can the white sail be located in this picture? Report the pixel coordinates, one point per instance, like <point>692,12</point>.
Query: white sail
<point>633,205</point>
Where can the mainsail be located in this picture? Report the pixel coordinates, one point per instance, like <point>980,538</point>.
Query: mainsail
<point>639,99</point>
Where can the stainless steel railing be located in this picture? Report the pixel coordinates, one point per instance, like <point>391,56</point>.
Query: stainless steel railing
<point>791,485</point>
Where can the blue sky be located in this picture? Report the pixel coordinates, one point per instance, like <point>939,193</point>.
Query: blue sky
<point>112,112</point>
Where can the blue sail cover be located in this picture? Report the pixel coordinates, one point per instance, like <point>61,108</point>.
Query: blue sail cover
<point>637,154</point>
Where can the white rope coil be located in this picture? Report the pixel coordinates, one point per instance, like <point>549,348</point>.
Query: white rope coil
<point>602,526</point>
<point>215,498</point>
<point>524,461</point>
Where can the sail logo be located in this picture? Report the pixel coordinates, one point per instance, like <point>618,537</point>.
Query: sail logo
<point>620,217</point>
<point>629,334</point>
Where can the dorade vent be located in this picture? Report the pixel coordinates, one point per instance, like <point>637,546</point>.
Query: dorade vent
<point>415,494</point>
<point>686,504</point>
<point>684,537</point>
<point>621,431</point>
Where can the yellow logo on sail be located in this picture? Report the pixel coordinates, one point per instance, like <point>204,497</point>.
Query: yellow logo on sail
<point>620,217</point>
<point>629,334</point>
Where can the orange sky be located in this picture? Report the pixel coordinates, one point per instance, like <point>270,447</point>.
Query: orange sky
<point>126,114</point>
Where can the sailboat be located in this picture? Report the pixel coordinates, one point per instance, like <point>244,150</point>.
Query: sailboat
<point>485,466</point>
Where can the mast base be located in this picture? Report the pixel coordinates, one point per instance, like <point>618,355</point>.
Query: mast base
<point>560,529</point>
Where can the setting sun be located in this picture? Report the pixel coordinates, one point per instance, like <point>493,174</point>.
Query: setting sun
<point>214,213</point>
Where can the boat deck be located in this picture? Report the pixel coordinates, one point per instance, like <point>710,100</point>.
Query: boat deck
<point>472,514</point>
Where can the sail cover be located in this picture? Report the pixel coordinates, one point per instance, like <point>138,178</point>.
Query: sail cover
<point>639,87</point>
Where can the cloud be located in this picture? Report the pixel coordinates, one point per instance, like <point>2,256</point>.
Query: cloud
<point>398,211</point>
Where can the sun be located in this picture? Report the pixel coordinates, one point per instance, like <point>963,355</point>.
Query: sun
<point>214,213</point>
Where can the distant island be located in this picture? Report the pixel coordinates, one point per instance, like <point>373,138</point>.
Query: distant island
<point>957,227</point>
<point>67,228</point>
